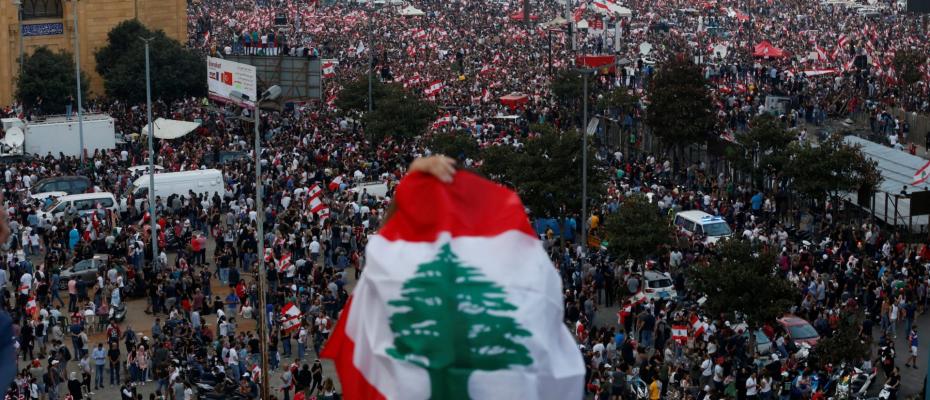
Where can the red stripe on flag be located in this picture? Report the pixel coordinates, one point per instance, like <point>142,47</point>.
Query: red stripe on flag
<point>427,207</point>
<point>340,348</point>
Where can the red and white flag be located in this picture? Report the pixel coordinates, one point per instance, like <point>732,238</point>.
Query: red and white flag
<point>31,307</point>
<point>443,121</point>
<point>821,54</point>
<point>316,204</point>
<point>458,300</point>
<point>434,88</point>
<point>284,263</point>
<point>921,175</point>
<point>329,70</point>
<point>335,183</point>
<point>290,318</point>
<point>697,326</point>
<point>680,333</point>
<point>314,192</point>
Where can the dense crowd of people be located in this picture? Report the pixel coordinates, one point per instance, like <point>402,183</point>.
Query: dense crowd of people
<point>201,288</point>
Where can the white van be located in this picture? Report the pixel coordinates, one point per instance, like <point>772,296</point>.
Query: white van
<point>84,203</point>
<point>703,224</point>
<point>202,181</point>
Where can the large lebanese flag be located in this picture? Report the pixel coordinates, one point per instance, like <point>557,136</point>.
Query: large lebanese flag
<point>458,300</point>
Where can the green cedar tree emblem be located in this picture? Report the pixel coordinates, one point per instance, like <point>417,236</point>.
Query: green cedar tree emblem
<point>450,321</point>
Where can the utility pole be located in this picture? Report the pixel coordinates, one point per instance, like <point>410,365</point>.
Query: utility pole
<point>370,56</point>
<point>526,13</point>
<point>77,72</point>
<point>271,94</point>
<point>584,167</point>
<point>550,52</point>
<point>148,108</point>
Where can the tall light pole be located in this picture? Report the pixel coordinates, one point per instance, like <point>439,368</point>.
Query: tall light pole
<point>270,95</point>
<point>77,73</point>
<point>148,108</point>
<point>584,159</point>
<point>370,55</point>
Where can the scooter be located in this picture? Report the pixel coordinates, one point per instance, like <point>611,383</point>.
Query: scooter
<point>118,312</point>
<point>885,394</point>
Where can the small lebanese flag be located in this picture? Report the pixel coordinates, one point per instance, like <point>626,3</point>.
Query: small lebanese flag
<point>324,214</point>
<point>31,307</point>
<point>680,333</point>
<point>458,300</point>
<point>921,175</point>
<point>284,263</point>
<point>697,326</point>
<point>434,88</point>
<point>329,70</point>
<point>441,122</point>
<point>335,183</point>
<point>314,191</point>
<point>290,318</point>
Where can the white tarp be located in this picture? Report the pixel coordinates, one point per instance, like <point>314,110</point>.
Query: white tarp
<point>170,128</point>
<point>411,11</point>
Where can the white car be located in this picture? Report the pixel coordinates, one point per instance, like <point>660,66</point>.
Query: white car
<point>658,286</point>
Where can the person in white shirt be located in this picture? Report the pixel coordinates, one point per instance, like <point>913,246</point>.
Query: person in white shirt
<point>751,389</point>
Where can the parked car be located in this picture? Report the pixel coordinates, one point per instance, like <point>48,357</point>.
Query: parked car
<point>67,184</point>
<point>658,286</point>
<point>85,270</point>
<point>799,330</point>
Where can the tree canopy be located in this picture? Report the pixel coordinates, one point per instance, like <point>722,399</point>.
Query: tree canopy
<point>680,109</point>
<point>638,230</point>
<point>762,150</point>
<point>176,71</point>
<point>459,145</point>
<point>739,266</point>
<point>546,171</point>
<point>567,87</point>
<point>830,168</point>
<point>397,113</point>
<point>843,344</point>
<point>51,76</point>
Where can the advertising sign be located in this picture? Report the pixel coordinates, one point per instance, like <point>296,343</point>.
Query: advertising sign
<point>231,81</point>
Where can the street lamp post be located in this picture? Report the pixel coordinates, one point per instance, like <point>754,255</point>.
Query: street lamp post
<point>585,72</point>
<point>148,107</point>
<point>271,94</point>
<point>77,73</point>
<point>370,55</point>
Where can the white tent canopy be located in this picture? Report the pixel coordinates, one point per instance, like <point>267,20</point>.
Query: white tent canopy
<point>171,129</point>
<point>411,11</point>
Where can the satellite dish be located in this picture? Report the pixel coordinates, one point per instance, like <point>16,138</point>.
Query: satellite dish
<point>14,137</point>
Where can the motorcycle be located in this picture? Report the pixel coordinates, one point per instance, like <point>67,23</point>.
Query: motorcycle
<point>117,313</point>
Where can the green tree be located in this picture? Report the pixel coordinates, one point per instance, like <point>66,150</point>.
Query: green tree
<point>546,171</point>
<point>619,99</point>
<point>452,322</point>
<point>567,87</point>
<point>907,64</point>
<point>459,145</point>
<point>742,280</point>
<point>680,109</point>
<point>763,149</point>
<point>397,113</point>
<point>843,344</point>
<point>829,169</point>
<point>176,72</point>
<point>51,76</point>
<point>638,230</point>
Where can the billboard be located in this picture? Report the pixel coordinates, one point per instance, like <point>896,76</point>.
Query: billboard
<point>299,77</point>
<point>226,77</point>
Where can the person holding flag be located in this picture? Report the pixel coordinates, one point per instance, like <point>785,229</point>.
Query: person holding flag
<point>459,300</point>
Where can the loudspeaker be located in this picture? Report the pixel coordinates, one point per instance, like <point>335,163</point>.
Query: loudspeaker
<point>280,19</point>
<point>918,6</point>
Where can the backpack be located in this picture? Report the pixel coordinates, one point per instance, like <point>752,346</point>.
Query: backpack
<point>65,353</point>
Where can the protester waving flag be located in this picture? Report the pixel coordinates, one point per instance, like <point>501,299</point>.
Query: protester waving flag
<point>458,301</point>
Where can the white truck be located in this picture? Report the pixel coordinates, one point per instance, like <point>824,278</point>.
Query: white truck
<point>57,135</point>
<point>202,181</point>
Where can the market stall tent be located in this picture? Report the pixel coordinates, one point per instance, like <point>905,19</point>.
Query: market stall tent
<point>170,128</point>
<point>411,11</point>
<point>514,100</point>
